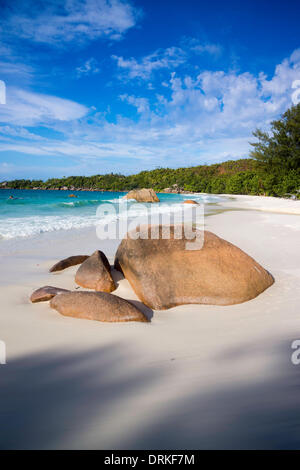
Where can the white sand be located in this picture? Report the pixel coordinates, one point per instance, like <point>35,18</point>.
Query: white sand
<point>195,377</point>
<point>267,204</point>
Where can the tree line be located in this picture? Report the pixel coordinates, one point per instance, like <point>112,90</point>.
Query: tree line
<point>272,170</point>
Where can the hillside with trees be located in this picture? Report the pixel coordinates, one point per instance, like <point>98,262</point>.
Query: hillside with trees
<point>272,170</point>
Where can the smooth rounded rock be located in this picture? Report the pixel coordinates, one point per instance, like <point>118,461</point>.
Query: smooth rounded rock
<point>46,293</point>
<point>190,201</point>
<point>67,262</point>
<point>94,273</point>
<point>164,273</point>
<point>99,306</point>
<point>142,195</point>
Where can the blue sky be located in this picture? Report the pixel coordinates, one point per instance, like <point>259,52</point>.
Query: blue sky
<point>97,86</point>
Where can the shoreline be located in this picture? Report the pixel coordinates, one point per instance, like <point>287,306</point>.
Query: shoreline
<point>261,203</point>
<point>62,189</point>
<point>227,202</point>
<point>185,193</point>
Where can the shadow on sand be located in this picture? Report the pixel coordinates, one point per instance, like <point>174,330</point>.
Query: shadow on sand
<point>48,400</point>
<point>253,415</point>
<point>59,400</point>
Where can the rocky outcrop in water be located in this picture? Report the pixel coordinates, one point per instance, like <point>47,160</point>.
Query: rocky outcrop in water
<point>142,195</point>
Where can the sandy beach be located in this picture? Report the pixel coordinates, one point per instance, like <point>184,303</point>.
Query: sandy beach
<point>195,377</point>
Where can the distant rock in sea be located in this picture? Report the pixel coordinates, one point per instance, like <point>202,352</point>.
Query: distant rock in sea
<point>142,195</point>
<point>190,201</point>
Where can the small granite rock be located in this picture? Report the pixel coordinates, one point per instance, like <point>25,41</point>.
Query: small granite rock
<point>99,306</point>
<point>67,262</point>
<point>94,273</point>
<point>46,293</point>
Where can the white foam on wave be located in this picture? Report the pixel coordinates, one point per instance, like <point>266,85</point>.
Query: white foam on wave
<point>204,198</point>
<point>34,225</point>
<point>30,226</point>
<point>79,203</point>
<point>117,200</point>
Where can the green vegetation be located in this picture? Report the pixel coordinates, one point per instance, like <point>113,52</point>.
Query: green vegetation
<point>273,170</point>
<point>245,176</point>
<point>281,149</point>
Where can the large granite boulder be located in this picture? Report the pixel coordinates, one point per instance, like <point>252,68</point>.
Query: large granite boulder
<point>99,306</point>
<point>142,195</point>
<point>67,262</point>
<point>163,273</point>
<point>94,273</point>
<point>46,293</point>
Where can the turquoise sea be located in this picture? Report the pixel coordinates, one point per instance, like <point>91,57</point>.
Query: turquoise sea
<point>30,213</point>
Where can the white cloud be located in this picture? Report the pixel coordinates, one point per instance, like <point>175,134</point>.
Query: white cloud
<point>88,150</point>
<point>80,20</point>
<point>12,66</point>
<point>25,108</point>
<point>206,117</point>
<point>88,68</point>
<point>169,58</point>
<point>285,74</point>
<point>141,104</point>
<point>13,69</point>
<point>19,132</point>
<point>211,49</point>
<point>6,168</point>
<point>210,116</point>
<point>198,47</point>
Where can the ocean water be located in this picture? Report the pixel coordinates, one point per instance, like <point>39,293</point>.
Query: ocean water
<point>30,213</point>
